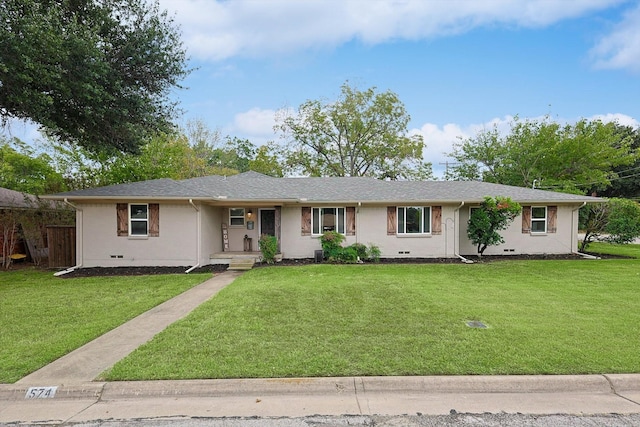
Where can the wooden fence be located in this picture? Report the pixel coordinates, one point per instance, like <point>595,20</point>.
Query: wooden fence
<point>62,246</point>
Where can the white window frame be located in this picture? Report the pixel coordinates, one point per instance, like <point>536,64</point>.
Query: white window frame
<point>423,223</point>
<point>237,217</point>
<point>138,220</point>
<point>318,228</point>
<point>542,220</point>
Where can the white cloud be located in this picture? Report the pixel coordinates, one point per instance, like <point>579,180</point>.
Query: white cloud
<point>216,30</point>
<point>255,123</point>
<point>621,48</point>
<point>621,119</point>
<point>439,141</point>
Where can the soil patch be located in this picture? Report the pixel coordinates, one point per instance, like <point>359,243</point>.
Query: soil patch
<point>218,268</point>
<point>140,271</point>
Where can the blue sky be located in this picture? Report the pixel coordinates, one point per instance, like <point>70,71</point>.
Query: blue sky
<point>458,66</point>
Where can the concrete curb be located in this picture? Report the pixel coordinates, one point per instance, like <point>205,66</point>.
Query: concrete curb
<point>299,397</point>
<point>86,391</point>
<point>335,385</point>
<point>624,382</point>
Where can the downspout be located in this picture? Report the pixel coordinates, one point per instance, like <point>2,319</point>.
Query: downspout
<point>357,220</point>
<point>79,238</point>
<point>575,238</point>
<point>198,238</point>
<point>456,234</point>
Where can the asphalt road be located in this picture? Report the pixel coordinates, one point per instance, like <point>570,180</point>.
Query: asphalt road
<point>475,420</point>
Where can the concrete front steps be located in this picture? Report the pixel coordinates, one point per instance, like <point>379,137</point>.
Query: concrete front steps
<point>241,264</point>
<point>239,260</point>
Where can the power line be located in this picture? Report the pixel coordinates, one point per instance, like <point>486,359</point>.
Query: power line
<point>590,183</point>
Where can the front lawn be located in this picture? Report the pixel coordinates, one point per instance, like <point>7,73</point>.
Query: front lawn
<point>43,317</point>
<point>543,317</point>
<point>631,251</point>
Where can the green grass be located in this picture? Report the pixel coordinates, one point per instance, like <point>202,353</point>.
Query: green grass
<point>631,251</point>
<point>43,317</point>
<point>544,317</point>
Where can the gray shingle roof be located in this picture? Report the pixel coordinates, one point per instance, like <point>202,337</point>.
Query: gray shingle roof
<point>252,186</point>
<point>16,199</point>
<point>164,187</point>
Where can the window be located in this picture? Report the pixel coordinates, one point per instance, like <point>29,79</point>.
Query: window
<point>139,220</point>
<point>414,220</point>
<point>236,217</point>
<point>327,219</point>
<point>539,219</point>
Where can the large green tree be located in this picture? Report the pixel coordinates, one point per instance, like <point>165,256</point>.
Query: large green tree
<point>573,157</point>
<point>163,156</point>
<point>362,133</point>
<point>93,72</point>
<point>626,183</point>
<point>24,170</point>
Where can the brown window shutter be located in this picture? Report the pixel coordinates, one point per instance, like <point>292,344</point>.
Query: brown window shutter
<point>278,220</point>
<point>552,218</point>
<point>526,219</point>
<point>123,219</point>
<point>391,220</point>
<point>351,220</point>
<point>306,221</point>
<point>154,220</point>
<point>436,219</point>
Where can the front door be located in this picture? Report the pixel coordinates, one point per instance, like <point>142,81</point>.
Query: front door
<point>268,222</point>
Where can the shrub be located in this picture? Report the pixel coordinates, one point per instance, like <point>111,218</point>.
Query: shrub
<point>373,253</point>
<point>269,248</point>
<point>361,250</point>
<point>331,242</point>
<point>347,255</point>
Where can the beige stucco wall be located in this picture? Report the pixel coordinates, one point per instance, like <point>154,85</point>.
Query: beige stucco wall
<point>371,228</point>
<point>211,231</point>
<point>237,232</point>
<point>563,241</point>
<point>102,247</point>
<point>181,232</point>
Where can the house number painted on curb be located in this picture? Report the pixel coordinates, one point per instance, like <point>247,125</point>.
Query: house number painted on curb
<point>41,392</point>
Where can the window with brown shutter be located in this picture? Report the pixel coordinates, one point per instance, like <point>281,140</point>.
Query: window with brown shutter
<point>122,212</point>
<point>436,219</point>
<point>351,221</point>
<point>305,228</point>
<point>147,219</point>
<point>552,218</point>
<point>526,219</point>
<point>391,220</point>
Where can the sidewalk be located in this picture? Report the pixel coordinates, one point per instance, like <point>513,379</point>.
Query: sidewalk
<point>297,397</point>
<point>78,399</point>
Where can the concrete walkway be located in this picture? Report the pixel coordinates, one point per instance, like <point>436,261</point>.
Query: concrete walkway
<point>78,398</point>
<point>89,361</point>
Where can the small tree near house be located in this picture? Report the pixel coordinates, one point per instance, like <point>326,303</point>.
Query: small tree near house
<point>493,215</point>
